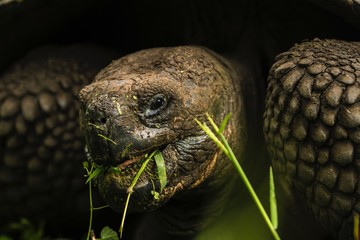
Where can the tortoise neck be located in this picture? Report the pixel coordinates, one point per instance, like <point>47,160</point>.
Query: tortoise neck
<point>193,211</point>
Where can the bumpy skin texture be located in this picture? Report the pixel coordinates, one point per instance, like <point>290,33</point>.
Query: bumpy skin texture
<point>148,100</point>
<point>41,148</point>
<point>312,122</point>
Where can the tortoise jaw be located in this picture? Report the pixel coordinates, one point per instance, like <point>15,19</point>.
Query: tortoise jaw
<point>114,185</point>
<point>129,161</point>
<point>110,151</point>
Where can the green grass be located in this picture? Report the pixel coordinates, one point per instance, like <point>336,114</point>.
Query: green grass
<point>219,139</point>
<point>132,185</point>
<point>356,227</point>
<point>216,135</point>
<point>94,171</point>
<point>29,231</point>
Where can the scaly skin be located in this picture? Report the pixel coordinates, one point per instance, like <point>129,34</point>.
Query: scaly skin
<point>312,121</point>
<point>41,148</point>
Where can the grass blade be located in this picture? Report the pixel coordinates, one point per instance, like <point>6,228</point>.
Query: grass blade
<point>273,205</point>
<point>121,230</point>
<point>224,123</point>
<point>213,137</point>
<point>213,124</point>
<point>130,190</point>
<point>160,164</point>
<point>94,174</point>
<point>224,146</point>
<point>356,227</point>
<point>107,139</point>
<point>89,182</point>
<point>250,188</point>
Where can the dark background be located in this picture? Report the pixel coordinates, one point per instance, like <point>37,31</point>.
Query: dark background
<point>132,25</point>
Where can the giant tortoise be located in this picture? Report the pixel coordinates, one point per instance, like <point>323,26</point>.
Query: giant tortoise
<point>148,100</point>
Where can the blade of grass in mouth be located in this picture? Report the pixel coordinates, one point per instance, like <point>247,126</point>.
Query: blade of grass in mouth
<point>157,155</point>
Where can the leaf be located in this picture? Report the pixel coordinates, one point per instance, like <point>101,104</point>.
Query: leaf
<point>86,164</point>
<point>95,173</point>
<point>273,205</point>
<point>160,164</point>
<point>108,234</point>
<point>155,194</point>
<point>115,170</point>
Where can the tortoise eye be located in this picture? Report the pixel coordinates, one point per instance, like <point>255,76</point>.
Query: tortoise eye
<point>156,104</point>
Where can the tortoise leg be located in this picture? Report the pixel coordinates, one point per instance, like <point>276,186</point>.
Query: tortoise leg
<point>312,128</point>
<point>41,148</point>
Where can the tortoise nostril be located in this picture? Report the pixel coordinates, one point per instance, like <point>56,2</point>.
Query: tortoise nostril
<point>95,117</point>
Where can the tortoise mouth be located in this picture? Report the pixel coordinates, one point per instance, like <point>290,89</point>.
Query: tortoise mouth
<point>131,161</point>
<point>114,183</point>
<point>124,163</point>
<point>115,158</point>
<point>121,142</point>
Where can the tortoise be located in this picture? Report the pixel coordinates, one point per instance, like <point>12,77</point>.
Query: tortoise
<point>252,33</point>
<point>149,100</point>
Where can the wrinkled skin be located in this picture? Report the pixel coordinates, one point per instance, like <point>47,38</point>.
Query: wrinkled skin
<point>149,100</point>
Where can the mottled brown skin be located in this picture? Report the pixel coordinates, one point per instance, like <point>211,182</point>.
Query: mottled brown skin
<point>148,100</point>
<point>312,121</point>
<point>41,148</point>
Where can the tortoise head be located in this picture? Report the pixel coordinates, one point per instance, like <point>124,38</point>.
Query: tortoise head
<point>148,101</point>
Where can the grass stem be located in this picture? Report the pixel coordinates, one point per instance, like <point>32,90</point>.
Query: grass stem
<point>223,144</point>
<point>100,208</point>
<point>250,189</point>
<point>90,201</point>
<point>131,187</point>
